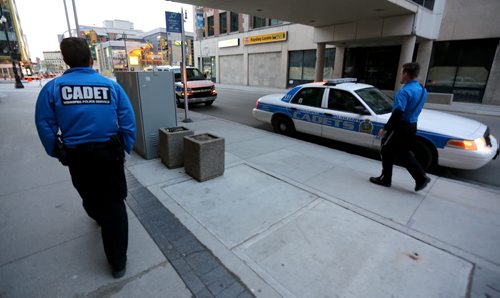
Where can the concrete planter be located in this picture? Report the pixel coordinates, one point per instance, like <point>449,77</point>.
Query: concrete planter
<point>172,145</point>
<point>204,156</point>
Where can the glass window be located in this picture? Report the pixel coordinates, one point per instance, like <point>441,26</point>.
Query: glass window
<point>376,100</point>
<point>295,65</point>
<point>461,67</point>
<point>259,22</point>
<point>234,22</point>
<point>309,64</point>
<point>309,97</point>
<point>425,3</point>
<point>344,101</point>
<point>223,22</point>
<point>211,28</point>
<point>329,63</point>
<point>276,22</point>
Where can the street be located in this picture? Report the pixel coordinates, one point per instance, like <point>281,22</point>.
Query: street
<point>237,104</point>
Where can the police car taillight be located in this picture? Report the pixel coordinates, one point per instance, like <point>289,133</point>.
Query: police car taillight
<point>257,104</point>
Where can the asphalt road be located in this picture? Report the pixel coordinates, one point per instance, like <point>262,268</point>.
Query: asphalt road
<point>236,105</point>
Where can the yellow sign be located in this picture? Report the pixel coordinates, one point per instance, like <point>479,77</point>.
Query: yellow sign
<point>264,38</point>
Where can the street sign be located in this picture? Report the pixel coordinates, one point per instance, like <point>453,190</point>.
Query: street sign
<point>174,20</point>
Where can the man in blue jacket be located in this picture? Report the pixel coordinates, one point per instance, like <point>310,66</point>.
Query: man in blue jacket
<point>399,133</point>
<point>87,122</point>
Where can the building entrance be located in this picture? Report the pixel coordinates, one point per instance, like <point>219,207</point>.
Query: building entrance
<point>377,66</point>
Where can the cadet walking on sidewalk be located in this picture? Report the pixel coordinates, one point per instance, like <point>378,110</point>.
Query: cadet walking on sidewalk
<point>399,133</point>
<point>86,121</point>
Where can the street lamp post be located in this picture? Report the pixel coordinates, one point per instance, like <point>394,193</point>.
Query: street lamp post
<point>3,21</point>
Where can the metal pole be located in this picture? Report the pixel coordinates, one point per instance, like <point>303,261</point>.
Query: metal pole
<point>67,18</point>
<point>18,83</point>
<point>76,20</point>
<point>126,52</point>
<point>184,74</point>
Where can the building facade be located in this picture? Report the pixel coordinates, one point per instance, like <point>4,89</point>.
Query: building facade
<point>18,51</point>
<point>459,55</point>
<point>53,62</point>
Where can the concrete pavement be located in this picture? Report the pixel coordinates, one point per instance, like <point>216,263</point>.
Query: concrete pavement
<point>287,219</point>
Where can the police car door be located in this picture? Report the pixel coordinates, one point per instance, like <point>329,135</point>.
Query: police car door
<point>347,119</point>
<point>307,113</point>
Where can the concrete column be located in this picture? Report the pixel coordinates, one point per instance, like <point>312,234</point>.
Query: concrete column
<point>424,58</point>
<point>339,62</point>
<point>320,62</point>
<point>407,48</point>
<point>245,68</point>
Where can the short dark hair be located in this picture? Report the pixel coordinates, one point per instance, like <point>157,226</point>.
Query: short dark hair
<point>75,51</point>
<point>412,69</point>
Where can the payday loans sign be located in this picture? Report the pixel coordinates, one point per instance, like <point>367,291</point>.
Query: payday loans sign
<point>265,38</point>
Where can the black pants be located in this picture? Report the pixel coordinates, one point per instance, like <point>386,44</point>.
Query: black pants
<point>397,144</point>
<point>97,173</point>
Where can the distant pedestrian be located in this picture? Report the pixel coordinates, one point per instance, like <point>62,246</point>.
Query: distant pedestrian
<point>96,123</point>
<point>399,134</point>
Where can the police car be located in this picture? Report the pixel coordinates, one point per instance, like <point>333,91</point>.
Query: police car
<point>351,112</point>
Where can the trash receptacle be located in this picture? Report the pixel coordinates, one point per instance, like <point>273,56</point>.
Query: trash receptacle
<point>172,145</point>
<point>204,156</point>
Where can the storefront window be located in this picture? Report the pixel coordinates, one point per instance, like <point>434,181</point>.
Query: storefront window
<point>329,63</point>
<point>295,65</point>
<point>461,68</point>
<point>301,67</point>
<point>309,65</point>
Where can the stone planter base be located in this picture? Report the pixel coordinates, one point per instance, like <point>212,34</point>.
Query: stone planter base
<point>172,145</point>
<point>204,156</point>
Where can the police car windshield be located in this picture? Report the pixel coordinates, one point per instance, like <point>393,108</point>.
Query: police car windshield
<point>376,100</point>
<point>193,74</point>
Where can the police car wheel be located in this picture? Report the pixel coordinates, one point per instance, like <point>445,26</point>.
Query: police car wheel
<point>209,103</point>
<point>283,125</point>
<point>424,154</point>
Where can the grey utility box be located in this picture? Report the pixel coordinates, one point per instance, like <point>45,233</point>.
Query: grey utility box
<point>153,99</point>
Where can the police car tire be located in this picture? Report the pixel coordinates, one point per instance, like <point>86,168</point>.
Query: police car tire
<point>283,125</point>
<point>209,103</point>
<point>425,154</point>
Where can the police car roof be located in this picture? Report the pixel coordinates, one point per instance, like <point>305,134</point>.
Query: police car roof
<point>342,86</point>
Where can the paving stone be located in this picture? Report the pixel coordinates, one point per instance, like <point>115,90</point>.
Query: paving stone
<point>232,291</point>
<point>205,293</point>
<point>193,282</point>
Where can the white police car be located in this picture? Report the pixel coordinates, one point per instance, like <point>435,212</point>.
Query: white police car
<point>354,113</point>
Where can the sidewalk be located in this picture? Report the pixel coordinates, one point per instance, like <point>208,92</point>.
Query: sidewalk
<point>287,218</point>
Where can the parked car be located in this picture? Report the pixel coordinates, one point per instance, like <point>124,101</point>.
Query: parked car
<point>351,112</point>
<point>199,89</point>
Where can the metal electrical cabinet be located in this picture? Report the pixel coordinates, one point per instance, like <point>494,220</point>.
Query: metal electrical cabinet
<point>153,99</point>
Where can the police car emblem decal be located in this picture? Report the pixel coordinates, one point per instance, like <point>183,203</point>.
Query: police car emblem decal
<point>366,126</point>
<point>78,94</point>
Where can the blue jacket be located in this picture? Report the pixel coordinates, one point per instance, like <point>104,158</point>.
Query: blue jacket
<point>85,107</point>
<point>410,100</point>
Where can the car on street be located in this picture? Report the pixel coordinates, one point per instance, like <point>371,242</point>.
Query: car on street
<point>199,89</point>
<point>351,112</point>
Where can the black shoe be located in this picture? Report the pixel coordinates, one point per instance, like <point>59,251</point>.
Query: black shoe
<point>380,181</point>
<point>119,273</point>
<point>423,184</point>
